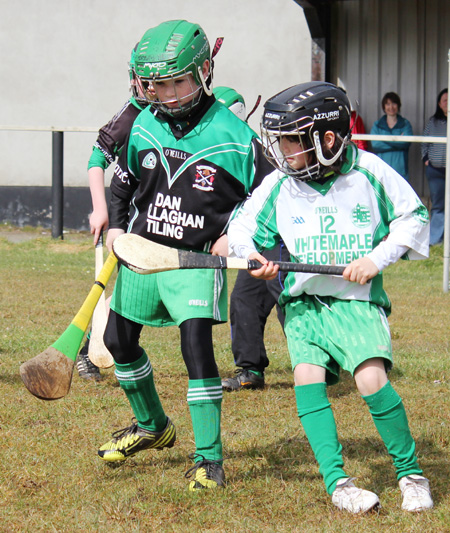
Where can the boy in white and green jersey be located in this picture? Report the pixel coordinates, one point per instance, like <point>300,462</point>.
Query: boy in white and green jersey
<point>188,164</point>
<point>333,204</point>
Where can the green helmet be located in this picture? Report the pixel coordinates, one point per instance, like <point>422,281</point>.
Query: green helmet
<point>137,94</point>
<point>231,99</point>
<point>132,62</point>
<point>171,50</point>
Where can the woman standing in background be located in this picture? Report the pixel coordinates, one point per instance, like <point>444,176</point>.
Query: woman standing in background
<point>434,157</point>
<point>392,123</point>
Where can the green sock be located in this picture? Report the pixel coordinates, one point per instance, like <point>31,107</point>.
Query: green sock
<point>317,420</point>
<point>136,379</point>
<point>389,416</point>
<point>205,405</point>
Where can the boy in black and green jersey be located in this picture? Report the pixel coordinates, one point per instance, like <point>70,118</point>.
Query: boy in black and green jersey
<point>188,164</point>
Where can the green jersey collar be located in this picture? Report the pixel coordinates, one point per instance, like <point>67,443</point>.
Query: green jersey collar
<point>351,155</point>
<point>324,185</point>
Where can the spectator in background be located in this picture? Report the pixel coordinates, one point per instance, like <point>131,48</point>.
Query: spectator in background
<point>434,157</point>
<point>395,153</point>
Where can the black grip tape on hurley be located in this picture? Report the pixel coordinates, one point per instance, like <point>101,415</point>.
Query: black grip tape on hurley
<point>196,260</point>
<point>286,266</point>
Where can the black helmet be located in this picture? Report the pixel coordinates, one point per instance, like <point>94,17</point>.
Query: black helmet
<point>306,111</point>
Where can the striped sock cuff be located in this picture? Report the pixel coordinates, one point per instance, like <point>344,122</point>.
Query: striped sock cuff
<point>204,390</point>
<point>140,369</point>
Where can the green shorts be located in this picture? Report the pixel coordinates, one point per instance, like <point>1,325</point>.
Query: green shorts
<point>170,298</point>
<point>336,334</point>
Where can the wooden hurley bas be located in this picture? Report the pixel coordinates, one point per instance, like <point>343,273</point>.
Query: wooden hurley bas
<point>48,375</point>
<point>146,257</point>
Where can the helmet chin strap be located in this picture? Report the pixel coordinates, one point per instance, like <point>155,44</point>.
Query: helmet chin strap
<point>320,157</point>
<point>207,90</point>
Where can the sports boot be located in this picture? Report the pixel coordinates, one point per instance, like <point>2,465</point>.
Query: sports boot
<point>416,493</point>
<point>245,379</point>
<point>207,474</point>
<point>349,498</point>
<point>86,368</point>
<point>131,440</point>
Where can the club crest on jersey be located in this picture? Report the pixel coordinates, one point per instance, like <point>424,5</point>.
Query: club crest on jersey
<point>421,215</point>
<point>361,216</point>
<point>149,161</point>
<point>204,178</point>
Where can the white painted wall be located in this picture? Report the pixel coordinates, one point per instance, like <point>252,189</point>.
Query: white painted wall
<point>64,64</point>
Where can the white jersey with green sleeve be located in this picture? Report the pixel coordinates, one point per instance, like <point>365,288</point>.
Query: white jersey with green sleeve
<point>333,223</point>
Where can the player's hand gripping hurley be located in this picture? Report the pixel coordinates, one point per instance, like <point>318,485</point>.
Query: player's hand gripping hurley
<point>146,257</point>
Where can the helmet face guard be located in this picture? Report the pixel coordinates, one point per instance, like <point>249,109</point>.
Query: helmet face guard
<point>297,132</point>
<point>169,52</point>
<point>304,113</point>
<point>178,106</point>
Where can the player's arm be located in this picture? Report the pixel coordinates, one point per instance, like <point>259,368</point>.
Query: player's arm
<point>365,268</point>
<point>98,162</point>
<point>407,231</point>
<point>254,228</point>
<point>242,245</point>
<point>98,219</point>
<point>110,141</point>
<point>123,185</point>
<point>255,169</point>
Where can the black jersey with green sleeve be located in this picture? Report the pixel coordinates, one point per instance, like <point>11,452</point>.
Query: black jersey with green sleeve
<point>112,136</point>
<point>185,189</point>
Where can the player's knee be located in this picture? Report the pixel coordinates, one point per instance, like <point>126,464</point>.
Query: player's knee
<point>371,376</point>
<point>122,352</point>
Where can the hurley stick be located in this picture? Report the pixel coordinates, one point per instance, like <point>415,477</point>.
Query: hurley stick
<point>49,375</point>
<point>97,351</point>
<point>147,257</point>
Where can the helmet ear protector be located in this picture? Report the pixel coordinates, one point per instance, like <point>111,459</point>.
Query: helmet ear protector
<point>306,111</point>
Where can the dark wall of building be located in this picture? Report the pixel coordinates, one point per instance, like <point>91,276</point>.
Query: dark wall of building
<point>32,206</point>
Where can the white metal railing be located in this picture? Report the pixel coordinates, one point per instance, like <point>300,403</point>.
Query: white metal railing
<point>57,184</point>
<point>48,128</point>
<point>398,138</point>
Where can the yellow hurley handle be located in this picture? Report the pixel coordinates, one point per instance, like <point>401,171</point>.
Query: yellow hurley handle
<point>84,315</point>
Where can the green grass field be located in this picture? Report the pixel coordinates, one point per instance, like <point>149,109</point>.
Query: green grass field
<point>52,480</point>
